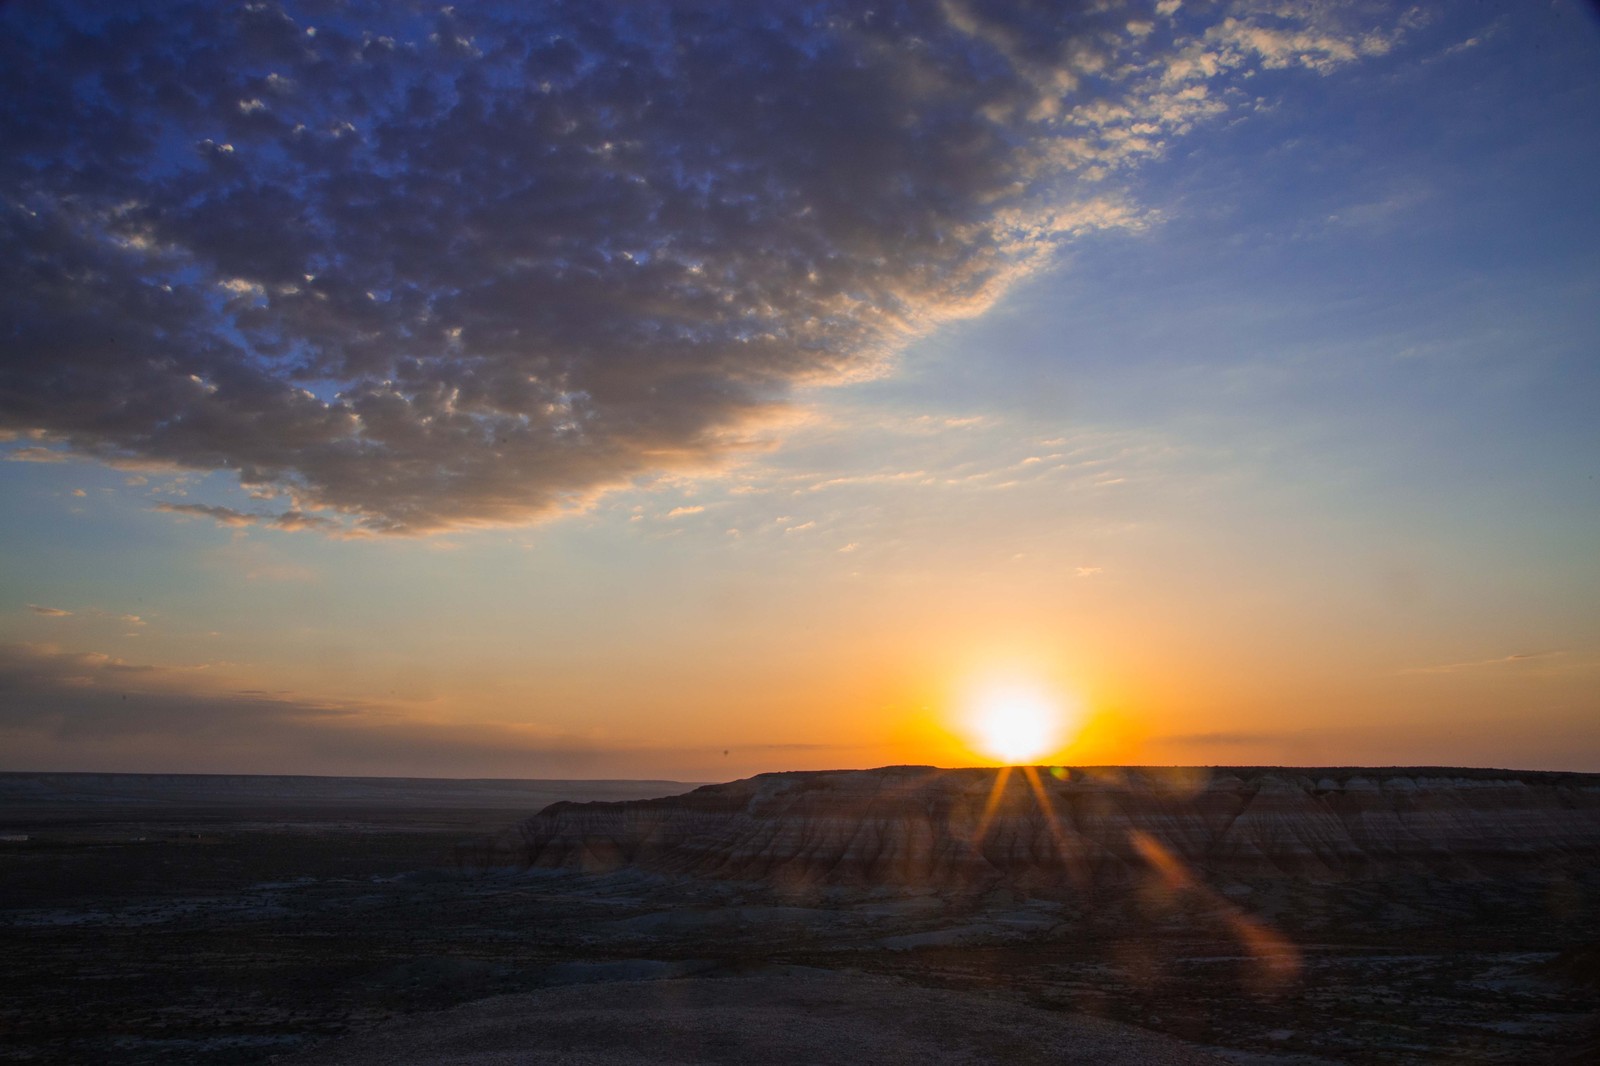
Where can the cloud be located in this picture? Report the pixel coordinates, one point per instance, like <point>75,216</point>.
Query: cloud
<point>1240,739</point>
<point>76,690</point>
<point>223,516</point>
<point>681,512</point>
<point>227,516</point>
<point>1477,664</point>
<point>295,520</point>
<point>428,269</point>
<point>36,455</point>
<point>89,709</point>
<point>49,612</point>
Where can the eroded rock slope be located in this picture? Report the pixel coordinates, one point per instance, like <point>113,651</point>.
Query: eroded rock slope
<point>1047,832</point>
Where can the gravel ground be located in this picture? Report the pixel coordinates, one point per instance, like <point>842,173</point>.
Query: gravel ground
<point>786,1016</point>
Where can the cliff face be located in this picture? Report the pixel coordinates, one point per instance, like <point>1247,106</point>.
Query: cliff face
<point>1047,833</point>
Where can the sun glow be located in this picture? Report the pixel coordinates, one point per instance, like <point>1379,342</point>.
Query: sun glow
<point>1016,724</point>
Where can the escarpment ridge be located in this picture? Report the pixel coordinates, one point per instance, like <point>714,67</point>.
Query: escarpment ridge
<point>1055,830</point>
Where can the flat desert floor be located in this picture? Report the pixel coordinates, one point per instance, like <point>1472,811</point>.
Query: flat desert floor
<point>171,924</point>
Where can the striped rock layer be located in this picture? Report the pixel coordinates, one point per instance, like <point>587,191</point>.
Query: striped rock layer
<point>1047,830</point>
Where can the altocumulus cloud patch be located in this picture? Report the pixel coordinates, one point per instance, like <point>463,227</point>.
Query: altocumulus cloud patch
<point>423,267</point>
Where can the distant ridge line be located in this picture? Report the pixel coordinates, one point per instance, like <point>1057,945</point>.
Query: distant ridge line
<point>353,777</point>
<point>40,790</point>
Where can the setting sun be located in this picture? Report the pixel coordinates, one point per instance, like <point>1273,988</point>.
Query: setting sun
<point>1016,723</point>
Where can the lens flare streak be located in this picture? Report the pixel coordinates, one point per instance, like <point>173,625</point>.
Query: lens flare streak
<point>1277,960</point>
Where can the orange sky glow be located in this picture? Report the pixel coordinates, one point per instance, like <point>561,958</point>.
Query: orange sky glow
<point>1218,376</point>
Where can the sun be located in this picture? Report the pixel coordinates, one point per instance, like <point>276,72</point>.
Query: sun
<point>1016,724</point>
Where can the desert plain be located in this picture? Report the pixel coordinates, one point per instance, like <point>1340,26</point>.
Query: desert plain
<point>1149,916</point>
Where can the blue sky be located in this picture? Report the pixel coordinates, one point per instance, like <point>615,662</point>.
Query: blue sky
<point>1256,422</point>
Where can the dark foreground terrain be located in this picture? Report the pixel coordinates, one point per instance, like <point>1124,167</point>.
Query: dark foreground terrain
<point>238,920</point>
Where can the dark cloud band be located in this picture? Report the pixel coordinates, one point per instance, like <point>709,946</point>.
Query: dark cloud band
<point>431,267</point>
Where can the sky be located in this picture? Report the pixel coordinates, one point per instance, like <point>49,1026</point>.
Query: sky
<point>691,390</point>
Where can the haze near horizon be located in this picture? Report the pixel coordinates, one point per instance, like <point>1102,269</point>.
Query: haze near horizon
<point>670,391</point>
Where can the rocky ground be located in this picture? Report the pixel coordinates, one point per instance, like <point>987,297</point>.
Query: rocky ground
<point>238,935</point>
<point>781,1016</point>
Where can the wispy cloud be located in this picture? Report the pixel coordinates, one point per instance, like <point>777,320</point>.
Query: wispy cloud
<point>93,709</point>
<point>228,516</point>
<point>1479,664</point>
<point>89,612</point>
<point>222,516</point>
<point>1222,739</point>
<point>37,455</point>
<point>102,708</point>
